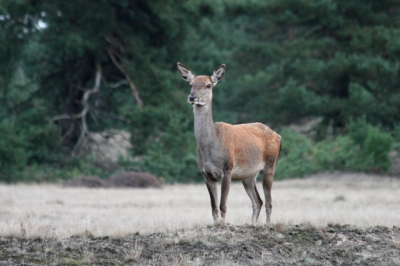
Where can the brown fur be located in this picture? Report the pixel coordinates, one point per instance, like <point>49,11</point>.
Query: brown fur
<point>239,137</point>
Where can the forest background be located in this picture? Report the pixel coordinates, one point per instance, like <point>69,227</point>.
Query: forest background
<point>71,68</point>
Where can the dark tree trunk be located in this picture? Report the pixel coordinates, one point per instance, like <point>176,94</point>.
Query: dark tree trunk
<point>335,118</point>
<point>340,91</point>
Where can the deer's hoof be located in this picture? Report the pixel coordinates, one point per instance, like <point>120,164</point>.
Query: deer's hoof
<point>220,223</point>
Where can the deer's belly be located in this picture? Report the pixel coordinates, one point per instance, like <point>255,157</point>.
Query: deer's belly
<point>240,173</point>
<point>214,172</point>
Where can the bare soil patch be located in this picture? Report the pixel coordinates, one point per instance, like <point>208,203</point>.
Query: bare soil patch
<point>125,179</point>
<point>210,245</point>
<point>134,179</point>
<point>86,181</point>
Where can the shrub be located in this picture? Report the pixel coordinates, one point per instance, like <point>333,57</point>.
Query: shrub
<point>12,151</point>
<point>374,146</point>
<point>171,154</point>
<point>73,168</point>
<point>42,173</point>
<point>396,138</point>
<point>146,126</point>
<point>365,148</point>
<point>337,154</point>
<point>26,140</point>
<point>296,155</point>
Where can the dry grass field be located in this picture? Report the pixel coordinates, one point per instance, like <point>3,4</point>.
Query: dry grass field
<point>51,210</point>
<point>324,219</point>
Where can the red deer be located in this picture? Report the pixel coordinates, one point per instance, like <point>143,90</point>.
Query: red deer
<point>228,152</point>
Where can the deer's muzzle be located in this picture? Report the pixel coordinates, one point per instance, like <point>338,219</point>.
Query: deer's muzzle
<point>191,98</point>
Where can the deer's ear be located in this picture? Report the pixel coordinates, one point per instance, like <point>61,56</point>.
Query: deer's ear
<point>218,74</point>
<point>185,72</point>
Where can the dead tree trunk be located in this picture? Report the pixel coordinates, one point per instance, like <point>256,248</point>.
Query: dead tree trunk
<point>73,105</point>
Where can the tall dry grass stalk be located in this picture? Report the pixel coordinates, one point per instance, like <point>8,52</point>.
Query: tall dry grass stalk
<point>53,211</point>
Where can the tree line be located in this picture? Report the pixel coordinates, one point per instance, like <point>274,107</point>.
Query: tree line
<point>68,68</point>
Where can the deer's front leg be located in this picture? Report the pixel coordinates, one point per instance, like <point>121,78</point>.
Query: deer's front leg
<point>225,185</point>
<point>212,189</point>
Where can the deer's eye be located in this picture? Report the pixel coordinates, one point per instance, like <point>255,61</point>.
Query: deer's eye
<point>190,85</point>
<point>209,86</point>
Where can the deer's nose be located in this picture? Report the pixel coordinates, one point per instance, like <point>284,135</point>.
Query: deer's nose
<point>191,98</point>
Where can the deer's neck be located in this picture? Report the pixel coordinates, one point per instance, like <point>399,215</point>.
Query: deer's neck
<point>204,128</point>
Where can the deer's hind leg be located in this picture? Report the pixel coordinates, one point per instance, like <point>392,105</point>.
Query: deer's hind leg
<point>267,176</point>
<point>251,189</point>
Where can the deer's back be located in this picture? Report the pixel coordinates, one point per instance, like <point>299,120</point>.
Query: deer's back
<point>248,147</point>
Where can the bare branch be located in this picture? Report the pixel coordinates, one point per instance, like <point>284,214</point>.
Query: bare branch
<point>115,41</point>
<point>154,73</point>
<point>135,92</point>
<point>117,84</point>
<point>274,87</point>
<point>312,31</point>
<point>86,105</point>
<point>69,132</point>
<point>83,114</point>
<point>85,99</point>
<point>93,115</point>
<point>372,92</point>
<point>60,117</point>
<point>115,117</point>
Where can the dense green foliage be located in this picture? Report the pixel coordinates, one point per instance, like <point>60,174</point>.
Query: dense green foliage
<point>364,148</point>
<point>287,60</point>
<point>296,155</point>
<point>172,154</point>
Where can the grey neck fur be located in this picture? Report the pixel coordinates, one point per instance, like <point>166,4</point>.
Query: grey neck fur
<point>204,129</point>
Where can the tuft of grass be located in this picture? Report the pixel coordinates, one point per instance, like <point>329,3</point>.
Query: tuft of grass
<point>280,228</point>
<point>87,256</point>
<point>339,198</point>
<point>132,253</point>
<point>396,240</point>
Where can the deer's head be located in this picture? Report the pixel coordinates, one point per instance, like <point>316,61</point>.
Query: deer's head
<point>201,86</point>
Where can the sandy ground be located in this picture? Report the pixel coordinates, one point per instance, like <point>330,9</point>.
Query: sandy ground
<point>335,198</point>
